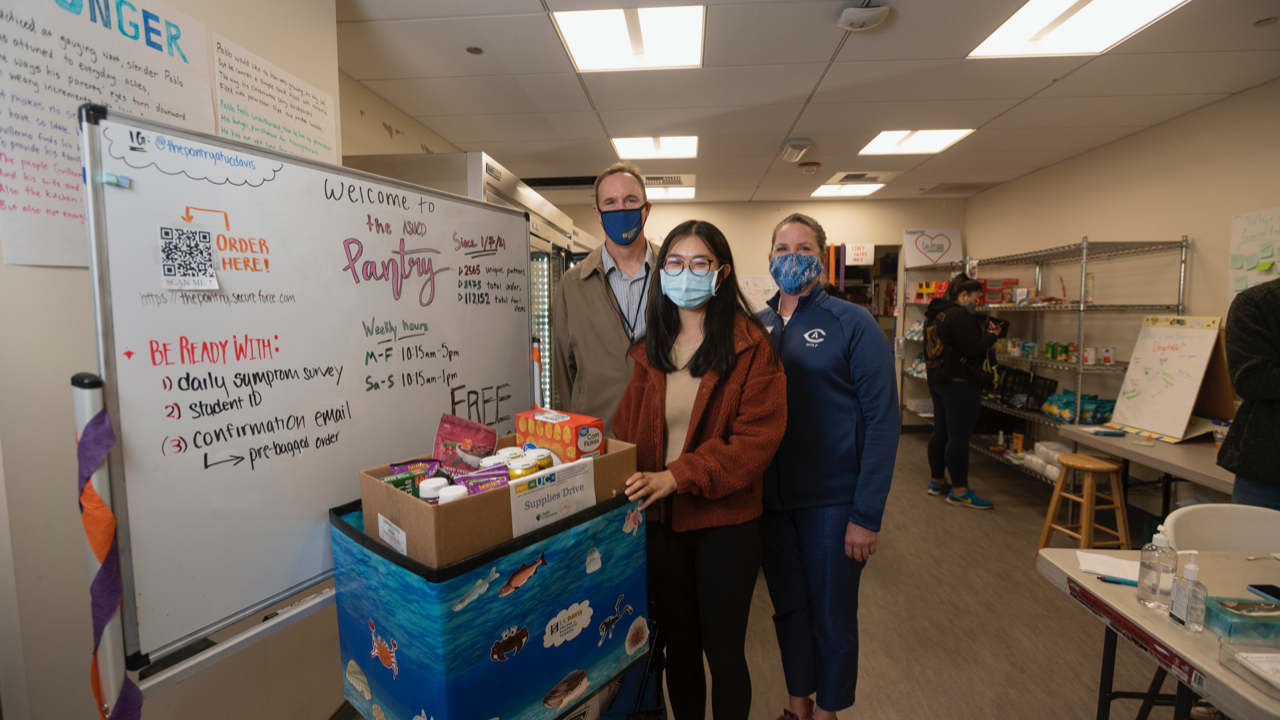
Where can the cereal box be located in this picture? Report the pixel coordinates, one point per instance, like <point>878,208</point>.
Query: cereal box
<point>571,437</point>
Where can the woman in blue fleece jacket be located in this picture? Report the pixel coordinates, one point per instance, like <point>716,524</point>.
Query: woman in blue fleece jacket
<point>825,492</point>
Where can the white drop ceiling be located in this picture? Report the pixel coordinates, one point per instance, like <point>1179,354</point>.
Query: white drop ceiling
<point>773,70</point>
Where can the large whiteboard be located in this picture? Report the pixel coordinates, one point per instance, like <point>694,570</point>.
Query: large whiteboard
<point>352,311</point>
<point>1165,374</point>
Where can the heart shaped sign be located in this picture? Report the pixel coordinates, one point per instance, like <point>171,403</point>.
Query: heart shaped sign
<point>933,246</point>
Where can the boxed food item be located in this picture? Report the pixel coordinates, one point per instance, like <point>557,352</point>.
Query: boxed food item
<point>571,437</point>
<point>438,535</point>
<point>940,288</point>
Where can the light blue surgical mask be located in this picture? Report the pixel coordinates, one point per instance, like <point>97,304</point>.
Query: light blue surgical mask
<point>794,271</point>
<point>687,290</point>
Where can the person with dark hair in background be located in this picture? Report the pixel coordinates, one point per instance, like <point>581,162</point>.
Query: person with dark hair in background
<point>824,494</point>
<point>706,409</point>
<point>600,303</point>
<point>1253,359</point>
<point>954,345</point>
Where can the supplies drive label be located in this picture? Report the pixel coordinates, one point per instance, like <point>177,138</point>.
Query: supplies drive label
<point>545,497</point>
<point>394,536</point>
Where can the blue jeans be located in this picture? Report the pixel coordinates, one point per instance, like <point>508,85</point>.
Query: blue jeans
<point>1248,492</point>
<point>814,588</point>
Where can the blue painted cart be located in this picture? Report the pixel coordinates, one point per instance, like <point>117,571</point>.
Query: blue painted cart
<point>528,630</point>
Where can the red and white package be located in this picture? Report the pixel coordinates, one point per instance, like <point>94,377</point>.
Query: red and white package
<point>461,444</point>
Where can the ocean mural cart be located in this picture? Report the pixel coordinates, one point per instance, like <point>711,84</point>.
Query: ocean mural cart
<point>527,630</point>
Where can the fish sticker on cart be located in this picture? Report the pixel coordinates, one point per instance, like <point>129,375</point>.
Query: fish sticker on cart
<point>512,643</point>
<point>606,627</point>
<point>633,521</point>
<point>476,590</point>
<point>384,651</point>
<point>522,575</point>
<point>638,635</point>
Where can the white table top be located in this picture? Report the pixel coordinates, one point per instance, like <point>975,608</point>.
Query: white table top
<point>1195,460</point>
<point>1190,657</point>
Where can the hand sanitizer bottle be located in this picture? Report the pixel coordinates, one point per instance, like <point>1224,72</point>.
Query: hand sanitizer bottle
<point>1187,598</point>
<point>1155,573</point>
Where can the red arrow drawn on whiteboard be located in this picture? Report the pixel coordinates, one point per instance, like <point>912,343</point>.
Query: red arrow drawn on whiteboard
<point>189,217</point>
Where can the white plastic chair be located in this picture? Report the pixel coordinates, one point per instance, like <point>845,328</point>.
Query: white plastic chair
<point>1224,527</point>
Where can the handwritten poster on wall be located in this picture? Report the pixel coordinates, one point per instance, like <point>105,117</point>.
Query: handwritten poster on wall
<point>1165,372</point>
<point>1255,250</point>
<point>929,248</point>
<point>758,289</point>
<point>261,104</point>
<point>142,57</point>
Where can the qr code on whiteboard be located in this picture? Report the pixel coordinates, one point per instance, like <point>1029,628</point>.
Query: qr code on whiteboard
<point>187,259</point>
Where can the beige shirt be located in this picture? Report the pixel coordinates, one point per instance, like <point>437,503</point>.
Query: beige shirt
<point>682,390</point>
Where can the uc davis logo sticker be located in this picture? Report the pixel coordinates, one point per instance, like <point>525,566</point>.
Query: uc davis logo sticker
<point>813,338</point>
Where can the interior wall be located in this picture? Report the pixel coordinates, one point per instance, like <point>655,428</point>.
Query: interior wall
<point>749,226</point>
<point>373,126</point>
<point>13,672</point>
<point>46,320</point>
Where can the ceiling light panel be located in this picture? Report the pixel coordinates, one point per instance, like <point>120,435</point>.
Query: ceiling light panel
<point>648,148</point>
<point>913,142</point>
<point>633,39</point>
<point>857,190</point>
<point>1072,27</point>
<point>670,193</point>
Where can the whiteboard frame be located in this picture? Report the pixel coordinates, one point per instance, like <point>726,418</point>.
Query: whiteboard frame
<point>95,201</point>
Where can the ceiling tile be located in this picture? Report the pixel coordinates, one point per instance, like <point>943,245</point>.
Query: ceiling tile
<point>772,33</point>
<point>521,127</point>
<point>484,95</point>
<point>513,45</point>
<point>927,178</point>
<point>545,150</point>
<point>1169,74</point>
<point>728,180</point>
<point>935,115</point>
<point>701,121</point>
<point>1203,26</point>
<point>785,174</point>
<point>929,29</point>
<point>560,168</point>
<point>1101,111</point>
<point>941,79</point>
<point>355,10</point>
<point>1050,138</point>
<point>702,87</point>
<point>951,160</point>
<point>838,152</point>
<point>713,194</point>
<point>698,166</point>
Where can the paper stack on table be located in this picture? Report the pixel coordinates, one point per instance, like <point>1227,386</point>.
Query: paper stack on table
<point>1108,566</point>
<point>1266,665</point>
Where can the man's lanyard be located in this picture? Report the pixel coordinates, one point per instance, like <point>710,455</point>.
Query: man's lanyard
<point>629,325</point>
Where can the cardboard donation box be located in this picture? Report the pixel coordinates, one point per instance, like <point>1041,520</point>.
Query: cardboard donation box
<point>439,535</point>
<point>538,627</point>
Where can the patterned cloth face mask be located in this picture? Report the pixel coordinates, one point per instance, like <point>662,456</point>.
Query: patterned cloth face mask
<point>794,271</point>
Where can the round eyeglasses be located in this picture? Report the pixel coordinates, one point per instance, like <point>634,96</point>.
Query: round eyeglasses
<point>699,266</point>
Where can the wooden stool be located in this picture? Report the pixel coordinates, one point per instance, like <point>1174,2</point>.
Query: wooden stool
<point>1089,466</point>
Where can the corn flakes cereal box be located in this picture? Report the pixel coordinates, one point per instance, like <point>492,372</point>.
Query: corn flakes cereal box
<point>571,437</point>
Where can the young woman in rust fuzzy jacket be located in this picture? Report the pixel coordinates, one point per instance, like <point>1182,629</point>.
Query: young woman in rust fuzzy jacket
<point>706,409</point>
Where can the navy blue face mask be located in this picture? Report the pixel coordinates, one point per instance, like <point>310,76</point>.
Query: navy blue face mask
<point>623,226</point>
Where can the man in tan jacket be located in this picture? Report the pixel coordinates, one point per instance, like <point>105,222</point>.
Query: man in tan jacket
<point>599,308</point>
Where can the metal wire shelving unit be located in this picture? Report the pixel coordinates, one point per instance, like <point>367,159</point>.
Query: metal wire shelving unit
<point>1083,253</point>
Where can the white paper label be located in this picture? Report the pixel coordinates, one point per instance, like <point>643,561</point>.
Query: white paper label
<point>394,536</point>
<point>551,495</point>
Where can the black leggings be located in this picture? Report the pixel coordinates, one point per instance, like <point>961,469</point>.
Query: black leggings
<point>700,584</point>
<point>955,414</point>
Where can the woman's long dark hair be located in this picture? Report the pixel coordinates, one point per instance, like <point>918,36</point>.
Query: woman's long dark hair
<point>962,283</point>
<point>663,317</point>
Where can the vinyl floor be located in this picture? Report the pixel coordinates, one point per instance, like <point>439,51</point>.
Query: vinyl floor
<point>955,621</point>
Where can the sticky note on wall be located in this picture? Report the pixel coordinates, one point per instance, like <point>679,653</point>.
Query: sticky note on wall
<point>1250,261</point>
<point>1266,265</point>
<point>1241,282</point>
<point>1267,250</point>
<point>1237,262</point>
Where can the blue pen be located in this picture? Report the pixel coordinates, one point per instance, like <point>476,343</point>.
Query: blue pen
<point>1118,581</point>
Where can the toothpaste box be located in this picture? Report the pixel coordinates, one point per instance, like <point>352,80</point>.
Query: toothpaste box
<point>571,437</point>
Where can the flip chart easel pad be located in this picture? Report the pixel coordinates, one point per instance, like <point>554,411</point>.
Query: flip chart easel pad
<point>353,311</point>
<point>1165,373</point>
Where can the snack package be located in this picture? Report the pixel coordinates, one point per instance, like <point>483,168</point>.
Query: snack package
<point>429,466</point>
<point>571,437</point>
<point>487,479</point>
<point>406,482</point>
<point>461,444</point>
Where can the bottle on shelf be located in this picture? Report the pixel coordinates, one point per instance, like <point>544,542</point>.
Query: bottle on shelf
<point>1156,571</point>
<point>1187,599</point>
